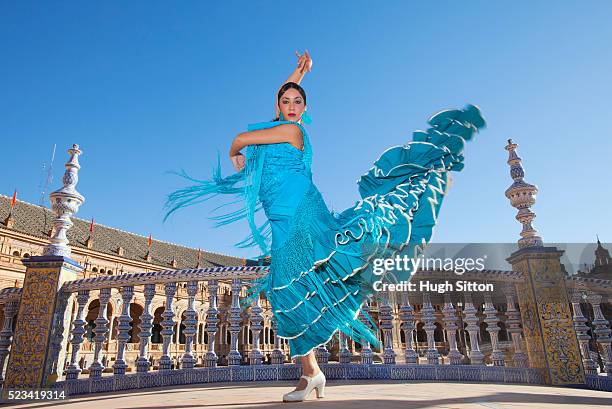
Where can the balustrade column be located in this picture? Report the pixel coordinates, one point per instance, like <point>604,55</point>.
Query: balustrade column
<point>344,355</point>
<point>146,325</point>
<point>256,317</point>
<point>123,329</point>
<point>322,354</point>
<point>408,325</point>
<point>101,330</point>
<point>386,326</point>
<point>212,320</point>
<point>6,335</point>
<point>167,332</point>
<point>497,355</point>
<point>366,355</point>
<point>450,326</point>
<point>433,357</point>
<point>278,356</point>
<point>469,311</point>
<point>188,361</point>
<point>234,356</point>
<point>590,367</point>
<point>602,332</point>
<point>513,325</point>
<point>78,330</point>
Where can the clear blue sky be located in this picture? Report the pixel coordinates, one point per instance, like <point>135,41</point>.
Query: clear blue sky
<point>147,87</point>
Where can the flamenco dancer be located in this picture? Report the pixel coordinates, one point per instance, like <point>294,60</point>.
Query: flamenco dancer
<point>320,270</point>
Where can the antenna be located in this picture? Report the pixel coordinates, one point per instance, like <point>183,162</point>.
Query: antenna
<point>44,186</point>
<point>48,178</point>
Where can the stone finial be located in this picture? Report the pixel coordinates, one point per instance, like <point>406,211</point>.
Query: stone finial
<point>64,203</point>
<point>522,196</point>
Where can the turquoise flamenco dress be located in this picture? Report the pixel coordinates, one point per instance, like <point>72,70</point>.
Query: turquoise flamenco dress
<point>321,262</point>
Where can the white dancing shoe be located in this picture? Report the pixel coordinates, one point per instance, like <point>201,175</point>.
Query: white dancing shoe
<point>316,382</point>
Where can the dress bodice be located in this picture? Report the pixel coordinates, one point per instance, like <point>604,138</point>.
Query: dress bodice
<point>282,161</point>
<point>284,180</point>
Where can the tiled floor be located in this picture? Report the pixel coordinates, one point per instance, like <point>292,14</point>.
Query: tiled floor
<point>344,394</point>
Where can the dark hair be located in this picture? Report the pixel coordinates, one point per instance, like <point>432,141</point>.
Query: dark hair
<point>284,88</point>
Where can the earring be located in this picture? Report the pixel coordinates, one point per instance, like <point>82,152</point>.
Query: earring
<point>306,118</point>
<point>280,116</point>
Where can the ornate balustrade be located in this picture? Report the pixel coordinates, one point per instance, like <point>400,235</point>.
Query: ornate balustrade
<point>424,335</point>
<point>246,360</point>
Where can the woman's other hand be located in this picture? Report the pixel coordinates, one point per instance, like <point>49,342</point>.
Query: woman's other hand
<point>238,161</point>
<point>304,62</point>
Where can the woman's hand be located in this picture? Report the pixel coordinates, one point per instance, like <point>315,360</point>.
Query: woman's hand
<point>304,62</point>
<point>238,161</point>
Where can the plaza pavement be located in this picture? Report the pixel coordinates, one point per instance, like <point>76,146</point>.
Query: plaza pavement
<point>343,394</point>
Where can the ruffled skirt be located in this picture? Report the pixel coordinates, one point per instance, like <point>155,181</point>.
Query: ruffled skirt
<point>321,275</point>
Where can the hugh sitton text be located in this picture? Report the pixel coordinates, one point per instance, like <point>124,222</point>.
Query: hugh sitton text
<point>432,286</point>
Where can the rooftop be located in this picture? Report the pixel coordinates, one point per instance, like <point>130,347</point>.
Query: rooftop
<point>35,221</point>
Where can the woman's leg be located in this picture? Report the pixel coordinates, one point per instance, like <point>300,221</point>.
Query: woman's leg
<point>310,367</point>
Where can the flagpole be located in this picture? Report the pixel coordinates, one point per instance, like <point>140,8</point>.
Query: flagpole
<point>13,203</point>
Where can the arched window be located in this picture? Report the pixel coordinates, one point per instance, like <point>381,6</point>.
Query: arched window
<point>421,334</point>
<point>484,334</point>
<point>503,332</point>
<point>438,333</point>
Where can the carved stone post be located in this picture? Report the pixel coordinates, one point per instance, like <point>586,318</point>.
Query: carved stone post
<point>552,345</point>
<point>590,367</point>
<point>146,324</point>
<point>278,356</point>
<point>256,317</point>
<point>73,370</point>
<point>366,355</point>
<point>497,355</point>
<point>44,310</point>
<point>408,326</point>
<point>433,357</point>
<point>344,355</point>
<point>450,326</point>
<point>165,362</point>
<point>210,360</point>
<point>514,328</point>
<point>101,330</point>
<point>123,330</point>
<point>475,355</point>
<point>188,361</point>
<point>386,326</point>
<point>234,357</point>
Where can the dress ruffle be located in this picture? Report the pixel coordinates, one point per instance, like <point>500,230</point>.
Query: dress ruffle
<point>323,273</point>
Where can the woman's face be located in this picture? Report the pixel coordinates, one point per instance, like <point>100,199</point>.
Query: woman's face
<point>291,105</point>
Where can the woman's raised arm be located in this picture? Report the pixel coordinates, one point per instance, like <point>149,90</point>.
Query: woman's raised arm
<point>304,65</point>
